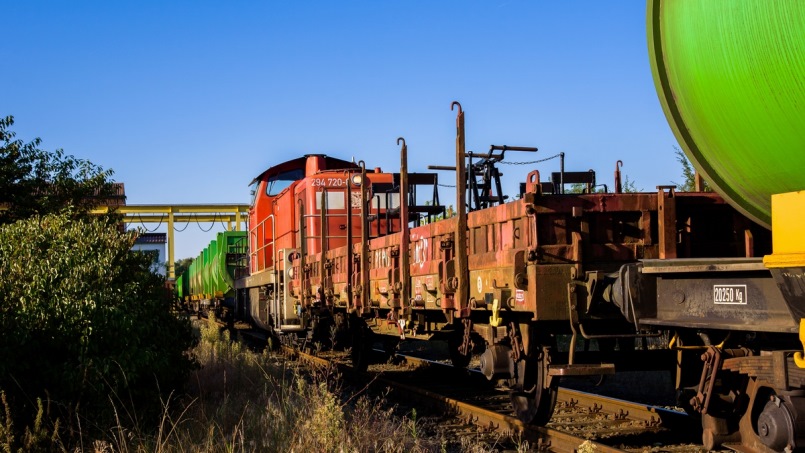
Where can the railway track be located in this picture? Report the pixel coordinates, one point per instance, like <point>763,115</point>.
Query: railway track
<point>581,422</point>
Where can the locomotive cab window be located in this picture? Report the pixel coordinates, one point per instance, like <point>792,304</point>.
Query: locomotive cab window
<point>282,181</point>
<point>335,200</point>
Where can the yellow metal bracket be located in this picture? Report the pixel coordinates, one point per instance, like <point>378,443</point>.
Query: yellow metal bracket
<point>495,319</point>
<point>799,358</point>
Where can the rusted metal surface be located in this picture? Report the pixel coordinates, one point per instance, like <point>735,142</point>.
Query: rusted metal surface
<point>774,367</point>
<point>666,215</point>
<point>461,298</point>
<point>405,235</point>
<point>363,306</point>
<point>652,415</point>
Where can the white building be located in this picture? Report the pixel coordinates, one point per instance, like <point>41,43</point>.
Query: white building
<point>154,243</point>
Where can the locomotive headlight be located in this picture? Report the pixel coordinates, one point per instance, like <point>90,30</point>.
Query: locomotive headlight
<point>357,180</point>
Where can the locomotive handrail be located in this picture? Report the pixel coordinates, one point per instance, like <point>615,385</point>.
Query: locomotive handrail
<point>254,254</point>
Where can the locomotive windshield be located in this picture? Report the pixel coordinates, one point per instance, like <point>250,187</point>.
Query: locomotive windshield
<point>281,181</point>
<point>253,190</point>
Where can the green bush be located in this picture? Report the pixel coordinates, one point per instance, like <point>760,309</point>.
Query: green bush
<point>84,321</point>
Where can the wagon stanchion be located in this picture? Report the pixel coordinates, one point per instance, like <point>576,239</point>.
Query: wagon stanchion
<point>405,268</point>
<point>461,295</point>
<point>364,293</point>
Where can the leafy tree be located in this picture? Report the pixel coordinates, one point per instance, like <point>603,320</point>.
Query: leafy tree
<point>83,318</point>
<point>582,188</point>
<point>179,266</point>
<point>629,185</point>
<point>688,174</point>
<point>38,182</point>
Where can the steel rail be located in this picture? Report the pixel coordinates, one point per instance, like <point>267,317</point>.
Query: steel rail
<point>653,416</point>
<point>546,439</point>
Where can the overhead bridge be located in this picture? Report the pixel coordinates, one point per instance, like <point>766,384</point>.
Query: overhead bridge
<point>231,215</point>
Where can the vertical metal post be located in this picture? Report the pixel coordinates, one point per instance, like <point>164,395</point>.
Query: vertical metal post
<point>749,243</point>
<point>170,265</point>
<point>698,182</point>
<point>364,240</point>
<point>350,250</point>
<point>323,248</point>
<point>302,252</point>
<point>405,268</point>
<point>561,173</point>
<point>237,218</point>
<point>462,269</point>
<point>666,218</point>
<point>618,185</point>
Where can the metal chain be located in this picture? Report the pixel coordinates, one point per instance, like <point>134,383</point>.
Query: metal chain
<point>532,162</point>
<point>446,185</point>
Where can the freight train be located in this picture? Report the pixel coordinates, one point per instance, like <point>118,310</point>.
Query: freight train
<point>345,256</point>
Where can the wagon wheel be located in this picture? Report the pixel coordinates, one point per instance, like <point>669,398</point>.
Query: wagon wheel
<point>531,400</point>
<point>362,338</point>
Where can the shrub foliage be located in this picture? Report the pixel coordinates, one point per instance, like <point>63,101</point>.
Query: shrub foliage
<point>83,318</point>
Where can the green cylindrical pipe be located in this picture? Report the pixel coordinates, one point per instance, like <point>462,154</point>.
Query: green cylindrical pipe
<point>731,79</point>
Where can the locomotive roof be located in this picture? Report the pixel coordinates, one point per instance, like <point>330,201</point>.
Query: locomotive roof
<point>331,163</point>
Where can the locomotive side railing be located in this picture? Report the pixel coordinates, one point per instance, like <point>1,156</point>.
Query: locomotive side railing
<point>256,234</point>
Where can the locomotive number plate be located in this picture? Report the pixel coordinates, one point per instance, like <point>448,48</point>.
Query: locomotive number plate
<point>328,182</point>
<point>729,294</point>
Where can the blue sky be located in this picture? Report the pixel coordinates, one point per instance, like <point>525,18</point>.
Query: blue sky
<point>188,101</point>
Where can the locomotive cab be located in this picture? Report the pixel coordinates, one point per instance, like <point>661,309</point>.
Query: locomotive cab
<point>273,234</point>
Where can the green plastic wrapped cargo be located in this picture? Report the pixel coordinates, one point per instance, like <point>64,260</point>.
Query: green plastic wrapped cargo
<point>731,78</point>
<point>213,271</point>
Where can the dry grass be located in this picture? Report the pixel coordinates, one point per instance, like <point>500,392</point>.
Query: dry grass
<point>241,401</point>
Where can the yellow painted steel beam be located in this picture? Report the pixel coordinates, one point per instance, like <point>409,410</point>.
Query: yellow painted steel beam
<point>180,218</point>
<point>237,209</point>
